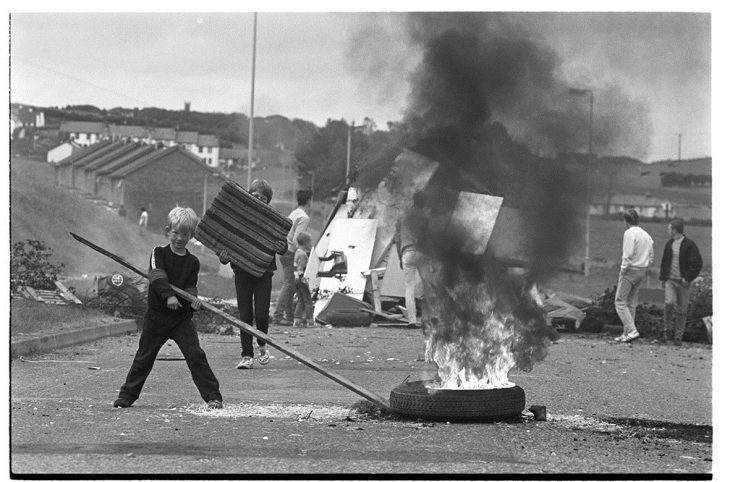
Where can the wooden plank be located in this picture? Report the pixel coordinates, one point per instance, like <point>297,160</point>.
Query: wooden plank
<point>67,294</point>
<point>389,316</point>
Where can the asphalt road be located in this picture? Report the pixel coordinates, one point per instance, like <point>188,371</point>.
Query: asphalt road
<point>612,409</point>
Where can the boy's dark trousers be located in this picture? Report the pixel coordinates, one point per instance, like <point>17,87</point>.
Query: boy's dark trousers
<point>155,333</point>
<point>254,299</point>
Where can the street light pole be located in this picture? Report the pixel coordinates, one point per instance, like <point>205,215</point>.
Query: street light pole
<point>349,140</point>
<point>587,261</point>
<point>253,85</point>
<point>588,188</point>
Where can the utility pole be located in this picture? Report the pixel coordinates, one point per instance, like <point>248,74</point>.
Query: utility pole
<point>580,93</point>
<point>679,147</point>
<point>349,139</point>
<point>250,119</point>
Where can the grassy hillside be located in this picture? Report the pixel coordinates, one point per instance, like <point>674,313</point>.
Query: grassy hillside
<point>40,210</point>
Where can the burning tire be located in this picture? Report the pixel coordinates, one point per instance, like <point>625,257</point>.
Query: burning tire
<point>415,400</point>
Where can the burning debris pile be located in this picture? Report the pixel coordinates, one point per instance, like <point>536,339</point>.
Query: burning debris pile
<point>479,321</point>
<point>480,318</point>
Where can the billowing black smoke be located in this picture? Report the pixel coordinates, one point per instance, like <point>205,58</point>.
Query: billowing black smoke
<point>466,71</point>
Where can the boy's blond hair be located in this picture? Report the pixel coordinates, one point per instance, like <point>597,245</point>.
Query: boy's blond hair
<point>304,238</point>
<point>183,219</point>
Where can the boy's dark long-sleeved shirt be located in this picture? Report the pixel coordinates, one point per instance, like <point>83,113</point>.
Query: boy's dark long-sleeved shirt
<point>167,268</point>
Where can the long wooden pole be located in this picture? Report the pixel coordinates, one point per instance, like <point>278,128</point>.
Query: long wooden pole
<point>367,394</point>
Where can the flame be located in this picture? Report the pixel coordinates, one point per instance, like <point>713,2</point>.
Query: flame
<point>474,332</point>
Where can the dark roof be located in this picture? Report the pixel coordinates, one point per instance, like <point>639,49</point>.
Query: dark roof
<point>235,153</point>
<point>125,130</point>
<point>105,159</point>
<point>111,166</point>
<point>205,140</point>
<point>187,137</point>
<point>159,153</point>
<point>162,133</point>
<point>86,160</point>
<point>84,151</point>
<point>82,126</point>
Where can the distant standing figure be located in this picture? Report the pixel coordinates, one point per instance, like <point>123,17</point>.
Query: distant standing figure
<point>304,312</point>
<point>681,264</point>
<point>143,219</point>
<point>411,231</point>
<point>284,312</point>
<point>122,211</point>
<point>638,255</point>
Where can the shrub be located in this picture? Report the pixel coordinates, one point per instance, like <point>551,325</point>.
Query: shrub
<point>30,266</point>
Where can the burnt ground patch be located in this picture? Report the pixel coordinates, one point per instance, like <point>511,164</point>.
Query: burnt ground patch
<point>661,429</point>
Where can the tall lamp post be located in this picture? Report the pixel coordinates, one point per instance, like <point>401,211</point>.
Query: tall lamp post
<point>581,93</point>
<point>250,118</point>
<point>350,127</point>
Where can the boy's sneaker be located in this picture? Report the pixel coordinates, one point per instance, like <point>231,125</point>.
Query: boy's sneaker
<point>122,403</point>
<point>246,362</point>
<point>312,323</point>
<point>297,322</point>
<point>215,404</point>
<point>263,355</point>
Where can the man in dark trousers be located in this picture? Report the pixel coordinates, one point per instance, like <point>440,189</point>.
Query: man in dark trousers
<point>681,264</point>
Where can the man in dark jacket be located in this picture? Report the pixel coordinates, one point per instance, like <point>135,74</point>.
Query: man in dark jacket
<point>681,264</point>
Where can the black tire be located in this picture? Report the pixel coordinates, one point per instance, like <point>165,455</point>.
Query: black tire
<point>413,399</point>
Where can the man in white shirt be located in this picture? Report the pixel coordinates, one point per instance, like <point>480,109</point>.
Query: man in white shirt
<point>638,255</point>
<point>284,312</point>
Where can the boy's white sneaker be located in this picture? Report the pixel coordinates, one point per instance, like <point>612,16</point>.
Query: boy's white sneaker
<point>263,355</point>
<point>245,363</point>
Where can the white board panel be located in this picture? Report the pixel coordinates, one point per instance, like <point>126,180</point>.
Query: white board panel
<point>320,250</point>
<point>473,219</point>
<point>355,238</point>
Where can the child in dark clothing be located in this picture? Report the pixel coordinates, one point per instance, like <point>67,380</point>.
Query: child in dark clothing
<point>168,317</point>
<point>253,294</point>
<point>303,315</point>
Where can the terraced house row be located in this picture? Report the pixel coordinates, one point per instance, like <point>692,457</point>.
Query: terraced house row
<point>136,175</point>
<point>83,133</point>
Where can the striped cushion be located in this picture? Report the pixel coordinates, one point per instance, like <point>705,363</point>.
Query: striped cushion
<point>250,230</point>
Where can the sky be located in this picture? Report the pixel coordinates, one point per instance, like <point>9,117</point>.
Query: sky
<point>348,65</point>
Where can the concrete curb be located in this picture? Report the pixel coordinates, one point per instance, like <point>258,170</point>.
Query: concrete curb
<point>54,341</point>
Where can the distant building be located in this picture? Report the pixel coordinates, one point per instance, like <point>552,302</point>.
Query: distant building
<point>29,116</point>
<point>83,133</point>
<point>208,149</point>
<point>161,180</point>
<point>232,157</point>
<point>647,206</point>
<point>61,151</point>
<point>161,136</point>
<point>126,133</point>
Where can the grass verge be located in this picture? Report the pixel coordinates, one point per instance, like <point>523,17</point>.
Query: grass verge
<point>28,317</point>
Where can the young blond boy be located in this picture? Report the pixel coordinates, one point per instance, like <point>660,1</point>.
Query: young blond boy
<point>169,317</point>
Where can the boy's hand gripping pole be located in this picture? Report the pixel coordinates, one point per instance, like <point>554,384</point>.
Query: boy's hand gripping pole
<point>376,399</point>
